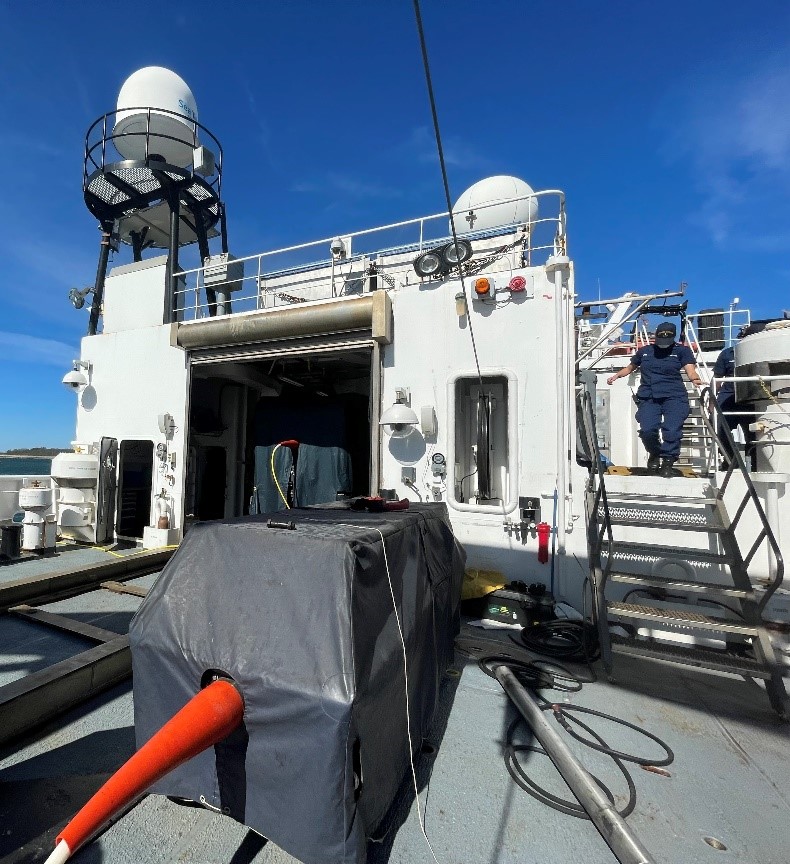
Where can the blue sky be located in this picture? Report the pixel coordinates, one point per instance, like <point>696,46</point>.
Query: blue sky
<point>667,125</point>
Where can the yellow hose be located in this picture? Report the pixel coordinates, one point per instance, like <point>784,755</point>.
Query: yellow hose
<point>274,477</point>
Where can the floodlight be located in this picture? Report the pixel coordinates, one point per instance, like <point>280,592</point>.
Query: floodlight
<point>77,297</point>
<point>457,252</point>
<point>430,263</point>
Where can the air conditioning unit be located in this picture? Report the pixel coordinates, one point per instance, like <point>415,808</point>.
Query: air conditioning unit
<point>223,272</point>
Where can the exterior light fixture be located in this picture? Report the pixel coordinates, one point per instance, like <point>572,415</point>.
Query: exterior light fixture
<point>77,297</point>
<point>76,380</point>
<point>399,419</point>
<point>441,260</point>
<point>429,264</point>
<point>460,304</point>
<point>483,288</point>
<point>517,284</point>
<point>457,252</point>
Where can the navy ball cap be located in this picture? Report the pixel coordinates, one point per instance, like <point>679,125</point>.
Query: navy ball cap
<point>665,334</point>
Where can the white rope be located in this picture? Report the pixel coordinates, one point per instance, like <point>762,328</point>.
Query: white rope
<point>420,818</point>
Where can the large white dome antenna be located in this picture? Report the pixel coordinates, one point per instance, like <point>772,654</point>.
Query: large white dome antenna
<point>495,203</point>
<point>164,96</point>
<point>152,176</point>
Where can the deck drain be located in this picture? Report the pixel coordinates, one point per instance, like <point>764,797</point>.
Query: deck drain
<point>716,844</point>
<point>427,748</point>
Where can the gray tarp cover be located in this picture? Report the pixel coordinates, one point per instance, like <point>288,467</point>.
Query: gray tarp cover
<point>303,622</point>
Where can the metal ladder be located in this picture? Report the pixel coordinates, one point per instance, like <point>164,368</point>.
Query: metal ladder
<point>697,449</point>
<point>693,506</point>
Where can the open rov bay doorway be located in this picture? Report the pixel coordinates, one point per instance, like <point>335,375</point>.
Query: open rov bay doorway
<point>297,426</point>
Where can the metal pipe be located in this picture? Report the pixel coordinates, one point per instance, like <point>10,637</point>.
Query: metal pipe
<point>608,331</point>
<point>557,265</point>
<point>582,303</point>
<point>375,415</point>
<point>625,845</point>
<point>172,260</point>
<point>101,274</point>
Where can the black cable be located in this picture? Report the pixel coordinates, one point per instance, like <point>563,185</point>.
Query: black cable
<point>569,808</point>
<point>533,673</point>
<point>539,674</point>
<point>443,167</point>
<point>461,482</point>
<point>723,606</point>
<point>562,714</point>
<point>563,639</point>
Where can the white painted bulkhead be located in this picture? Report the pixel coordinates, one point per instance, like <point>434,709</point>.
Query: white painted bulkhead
<point>138,374</point>
<point>516,343</point>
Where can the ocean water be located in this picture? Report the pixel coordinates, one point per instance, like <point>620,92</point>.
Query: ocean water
<point>24,465</point>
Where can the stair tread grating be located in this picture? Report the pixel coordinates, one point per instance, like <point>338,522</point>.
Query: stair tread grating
<point>656,551</point>
<point>711,658</point>
<point>680,584</point>
<point>679,617</point>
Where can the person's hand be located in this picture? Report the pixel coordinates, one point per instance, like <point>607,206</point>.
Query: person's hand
<point>611,379</point>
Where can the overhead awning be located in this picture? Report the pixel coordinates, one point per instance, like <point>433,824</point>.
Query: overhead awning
<point>298,346</point>
<point>333,323</point>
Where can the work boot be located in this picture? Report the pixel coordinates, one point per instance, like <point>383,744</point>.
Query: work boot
<point>667,469</point>
<point>653,462</point>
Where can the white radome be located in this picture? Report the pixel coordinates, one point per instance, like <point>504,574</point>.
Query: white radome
<point>155,87</point>
<point>472,214</point>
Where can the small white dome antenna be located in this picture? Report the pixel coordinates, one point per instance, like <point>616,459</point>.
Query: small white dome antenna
<point>490,204</point>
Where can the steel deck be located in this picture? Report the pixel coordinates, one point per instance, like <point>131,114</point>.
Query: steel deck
<point>730,780</point>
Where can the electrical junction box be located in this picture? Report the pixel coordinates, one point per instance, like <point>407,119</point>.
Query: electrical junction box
<point>223,271</point>
<point>529,509</point>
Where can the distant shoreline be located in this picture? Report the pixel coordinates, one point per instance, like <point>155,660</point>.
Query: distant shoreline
<point>28,455</point>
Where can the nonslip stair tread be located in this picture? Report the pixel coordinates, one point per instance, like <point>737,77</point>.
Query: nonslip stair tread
<point>644,498</point>
<point>658,551</point>
<point>645,521</point>
<point>679,617</point>
<point>668,583</point>
<point>710,658</point>
<point>712,519</point>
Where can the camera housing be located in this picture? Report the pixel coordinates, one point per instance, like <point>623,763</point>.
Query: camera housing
<point>74,380</point>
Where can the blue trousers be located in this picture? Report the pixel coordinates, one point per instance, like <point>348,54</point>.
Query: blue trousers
<point>664,415</point>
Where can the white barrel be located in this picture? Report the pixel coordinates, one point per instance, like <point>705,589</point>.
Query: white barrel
<point>476,209</point>
<point>33,531</point>
<point>772,433</point>
<point>155,87</point>
<point>35,497</point>
<point>76,469</point>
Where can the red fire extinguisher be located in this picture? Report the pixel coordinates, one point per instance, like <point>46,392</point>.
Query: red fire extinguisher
<point>543,529</point>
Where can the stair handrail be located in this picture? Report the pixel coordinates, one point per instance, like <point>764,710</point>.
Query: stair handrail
<point>706,374</point>
<point>600,499</point>
<point>720,430</point>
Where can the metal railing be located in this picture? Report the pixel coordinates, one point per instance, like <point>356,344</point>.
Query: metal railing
<point>308,272</point>
<point>600,347</point>
<point>733,321</point>
<point>101,142</point>
<point>715,419</point>
<point>599,524</point>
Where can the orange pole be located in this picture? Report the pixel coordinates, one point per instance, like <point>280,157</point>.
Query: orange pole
<point>205,720</point>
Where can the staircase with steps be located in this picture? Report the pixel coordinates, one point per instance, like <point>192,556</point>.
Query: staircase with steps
<point>696,446</point>
<point>670,544</point>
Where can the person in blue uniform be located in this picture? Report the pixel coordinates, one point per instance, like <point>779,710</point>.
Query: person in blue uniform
<point>733,411</point>
<point>662,400</point>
